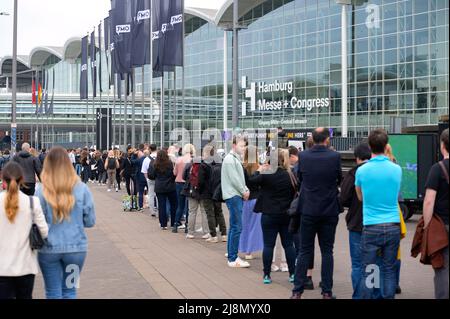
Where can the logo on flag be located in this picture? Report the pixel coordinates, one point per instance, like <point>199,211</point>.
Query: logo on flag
<point>143,15</point>
<point>124,28</point>
<point>84,67</point>
<point>176,19</point>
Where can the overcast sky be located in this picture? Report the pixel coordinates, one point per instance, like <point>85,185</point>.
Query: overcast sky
<point>52,22</point>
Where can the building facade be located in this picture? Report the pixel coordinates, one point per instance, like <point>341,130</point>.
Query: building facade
<point>289,70</point>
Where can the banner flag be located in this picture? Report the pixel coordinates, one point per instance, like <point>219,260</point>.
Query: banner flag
<point>100,57</point>
<point>122,23</point>
<point>92,54</point>
<point>140,54</point>
<point>51,110</point>
<point>84,69</point>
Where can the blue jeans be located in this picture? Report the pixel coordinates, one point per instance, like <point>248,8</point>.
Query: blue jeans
<point>182,207</point>
<point>272,225</point>
<point>325,228</point>
<point>384,240</point>
<point>78,169</point>
<point>141,190</point>
<point>234,205</point>
<point>61,274</point>
<point>163,199</point>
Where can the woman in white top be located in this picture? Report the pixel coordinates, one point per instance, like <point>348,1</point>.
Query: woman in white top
<point>18,263</point>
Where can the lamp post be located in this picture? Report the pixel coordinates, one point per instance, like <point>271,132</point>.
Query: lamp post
<point>14,83</point>
<point>344,71</point>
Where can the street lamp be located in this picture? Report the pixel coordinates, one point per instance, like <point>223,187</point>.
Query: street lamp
<point>14,84</point>
<point>344,52</point>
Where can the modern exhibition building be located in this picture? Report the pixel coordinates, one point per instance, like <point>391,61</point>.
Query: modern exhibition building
<point>290,72</point>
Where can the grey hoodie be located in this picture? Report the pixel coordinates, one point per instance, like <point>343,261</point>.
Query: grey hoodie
<point>31,166</point>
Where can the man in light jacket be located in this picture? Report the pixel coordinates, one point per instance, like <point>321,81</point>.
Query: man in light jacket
<point>234,192</point>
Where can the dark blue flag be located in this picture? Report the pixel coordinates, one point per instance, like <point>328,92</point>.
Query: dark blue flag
<point>46,92</point>
<point>84,69</point>
<point>100,58</point>
<point>173,44</point>
<point>121,21</point>
<point>140,54</point>
<point>92,54</point>
<point>106,27</point>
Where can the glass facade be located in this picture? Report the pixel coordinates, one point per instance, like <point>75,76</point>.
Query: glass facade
<point>290,51</point>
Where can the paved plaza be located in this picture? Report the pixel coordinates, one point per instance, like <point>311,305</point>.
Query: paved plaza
<point>130,257</point>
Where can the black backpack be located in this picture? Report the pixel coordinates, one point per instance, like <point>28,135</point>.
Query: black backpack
<point>111,163</point>
<point>152,160</point>
<point>215,182</point>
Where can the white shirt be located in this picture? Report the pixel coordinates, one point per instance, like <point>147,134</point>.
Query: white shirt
<point>146,163</point>
<point>72,157</point>
<point>16,257</point>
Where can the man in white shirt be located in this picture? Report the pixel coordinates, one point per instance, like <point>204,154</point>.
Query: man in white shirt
<point>72,157</point>
<point>153,203</point>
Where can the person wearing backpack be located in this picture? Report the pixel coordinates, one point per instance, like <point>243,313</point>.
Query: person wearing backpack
<point>149,161</point>
<point>4,159</point>
<point>181,162</point>
<point>213,211</point>
<point>436,202</point>
<point>192,192</point>
<point>111,165</point>
<point>162,173</point>
<point>18,262</point>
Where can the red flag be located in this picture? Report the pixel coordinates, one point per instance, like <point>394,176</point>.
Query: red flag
<point>33,93</point>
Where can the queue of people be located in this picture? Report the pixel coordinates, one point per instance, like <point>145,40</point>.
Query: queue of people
<point>281,193</point>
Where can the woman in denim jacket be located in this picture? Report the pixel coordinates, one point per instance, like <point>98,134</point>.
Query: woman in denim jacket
<point>68,208</point>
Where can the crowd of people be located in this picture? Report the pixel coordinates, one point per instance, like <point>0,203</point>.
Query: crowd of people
<point>278,200</point>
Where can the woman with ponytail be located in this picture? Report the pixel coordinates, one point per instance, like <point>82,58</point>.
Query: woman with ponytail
<point>68,208</point>
<point>18,263</point>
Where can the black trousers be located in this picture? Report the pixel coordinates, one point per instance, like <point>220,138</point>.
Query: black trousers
<point>17,287</point>
<point>28,189</point>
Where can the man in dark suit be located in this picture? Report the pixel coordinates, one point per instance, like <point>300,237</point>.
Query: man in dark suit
<point>319,174</point>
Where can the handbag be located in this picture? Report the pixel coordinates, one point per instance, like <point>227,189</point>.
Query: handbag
<point>292,211</point>
<point>36,240</point>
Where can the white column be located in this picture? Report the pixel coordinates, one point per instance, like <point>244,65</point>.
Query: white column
<point>344,71</point>
<point>225,81</point>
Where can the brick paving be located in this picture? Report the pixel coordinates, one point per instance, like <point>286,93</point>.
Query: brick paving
<point>130,257</point>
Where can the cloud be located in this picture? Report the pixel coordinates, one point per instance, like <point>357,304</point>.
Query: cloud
<point>49,22</point>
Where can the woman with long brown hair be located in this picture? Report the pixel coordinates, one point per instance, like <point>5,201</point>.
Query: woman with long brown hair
<point>69,208</point>
<point>18,262</point>
<point>162,173</point>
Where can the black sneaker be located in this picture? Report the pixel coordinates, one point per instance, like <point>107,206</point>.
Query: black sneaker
<point>174,230</point>
<point>398,290</point>
<point>328,296</point>
<point>309,285</point>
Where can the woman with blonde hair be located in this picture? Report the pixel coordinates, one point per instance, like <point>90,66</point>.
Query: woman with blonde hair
<point>68,208</point>
<point>18,262</point>
<point>278,188</point>
<point>251,240</point>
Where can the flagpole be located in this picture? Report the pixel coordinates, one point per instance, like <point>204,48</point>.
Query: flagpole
<point>119,82</point>
<point>125,112</point>
<point>151,72</point>
<point>142,106</point>
<point>182,79</point>
<point>42,120</point>
<point>114,110</point>
<point>133,110</point>
<point>161,121</point>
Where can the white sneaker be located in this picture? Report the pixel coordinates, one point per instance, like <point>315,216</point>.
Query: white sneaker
<point>109,190</point>
<point>224,239</point>
<point>212,240</point>
<point>200,230</point>
<point>189,236</point>
<point>182,227</point>
<point>248,257</point>
<point>274,268</point>
<point>117,190</point>
<point>226,255</point>
<point>284,267</point>
<point>206,236</point>
<point>238,263</point>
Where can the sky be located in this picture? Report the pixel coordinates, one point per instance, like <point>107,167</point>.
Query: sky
<point>52,22</point>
